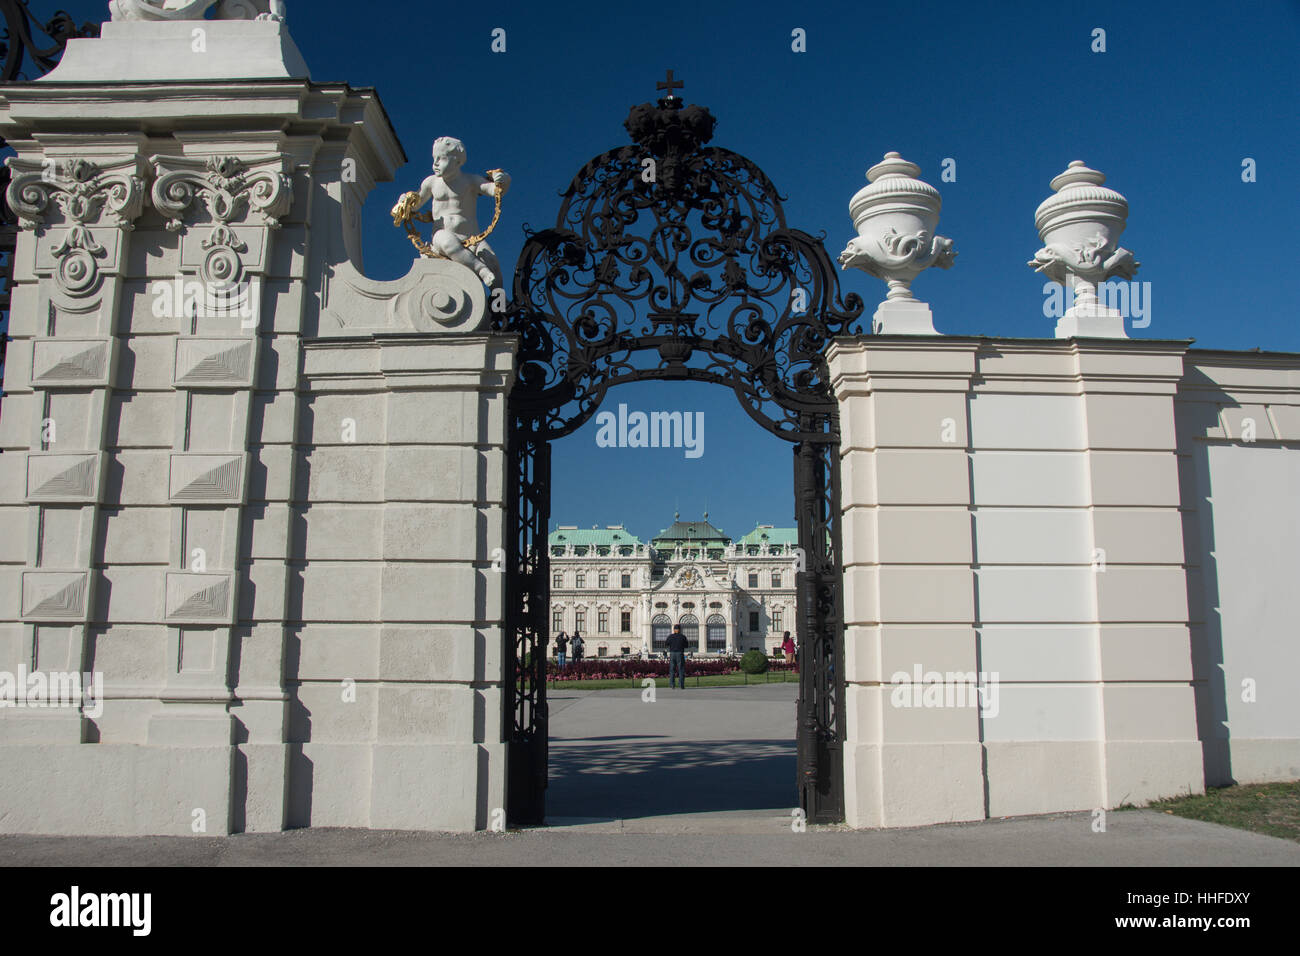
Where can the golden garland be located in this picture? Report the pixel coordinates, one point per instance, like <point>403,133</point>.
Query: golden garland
<point>404,212</point>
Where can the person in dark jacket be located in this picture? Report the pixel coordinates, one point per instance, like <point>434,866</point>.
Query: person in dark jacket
<point>561,645</point>
<point>577,645</point>
<point>677,656</point>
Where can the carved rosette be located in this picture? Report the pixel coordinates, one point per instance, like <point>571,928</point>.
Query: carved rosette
<point>234,192</point>
<point>86,196</point>
<point>1080,228</point>
<point>896,216</point>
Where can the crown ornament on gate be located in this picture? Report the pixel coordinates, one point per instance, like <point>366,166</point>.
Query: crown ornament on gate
<point>670,131</point>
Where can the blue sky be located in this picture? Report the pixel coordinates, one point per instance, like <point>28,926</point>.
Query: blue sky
<point>1010,90</point>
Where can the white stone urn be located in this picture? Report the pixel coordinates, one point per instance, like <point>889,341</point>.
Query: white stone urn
<point>896,217</point>
<point>1080,228</point>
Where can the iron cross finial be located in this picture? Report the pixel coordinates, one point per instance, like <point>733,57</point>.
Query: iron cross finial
<point>669,84</point>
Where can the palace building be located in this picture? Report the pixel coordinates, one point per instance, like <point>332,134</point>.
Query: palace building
<point>624,595</point>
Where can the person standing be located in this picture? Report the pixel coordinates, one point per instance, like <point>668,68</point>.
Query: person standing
<point>577,645</point>
<point>561,645</point>
<point>677,656</point>
<point>787,647</point>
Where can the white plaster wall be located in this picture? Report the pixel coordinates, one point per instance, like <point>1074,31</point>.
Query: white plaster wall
<point>1250,531</point>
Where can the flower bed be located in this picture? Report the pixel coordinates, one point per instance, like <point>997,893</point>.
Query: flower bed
<point>631,669</point>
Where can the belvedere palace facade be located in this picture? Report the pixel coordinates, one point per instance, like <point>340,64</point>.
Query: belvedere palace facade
<point>624,595</point>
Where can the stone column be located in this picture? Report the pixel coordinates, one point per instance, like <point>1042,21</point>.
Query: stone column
<point>402,485</point>
<point>77,198</point>
<point>909,588</point>
<point>225,211</point>
<point>1148,710</point>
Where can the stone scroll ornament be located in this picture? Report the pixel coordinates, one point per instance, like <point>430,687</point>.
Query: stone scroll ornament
<point>453,197</point>
<point>235,191</point>
<point>89,196</point>
<point>156,10</point>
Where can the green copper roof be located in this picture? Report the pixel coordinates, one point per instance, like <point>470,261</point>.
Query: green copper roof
<point>763,535</point>
<point>700,532</point>
<point>598,537</point>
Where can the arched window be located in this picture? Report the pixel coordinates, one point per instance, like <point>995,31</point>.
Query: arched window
<point>715,633</point>
<point>691,630</point>
<point>659,628</point>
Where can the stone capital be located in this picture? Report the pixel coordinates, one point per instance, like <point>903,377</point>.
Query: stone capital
<point>234,190</point>
<point>78,192</point>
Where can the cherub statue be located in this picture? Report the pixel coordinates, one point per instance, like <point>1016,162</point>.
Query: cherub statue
<point>453,197</point>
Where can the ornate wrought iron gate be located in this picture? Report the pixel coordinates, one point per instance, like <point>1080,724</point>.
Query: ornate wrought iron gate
<point>672,260</point>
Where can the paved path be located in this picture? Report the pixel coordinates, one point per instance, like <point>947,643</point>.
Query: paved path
<point>1132,838</point>
<point>705,750</point>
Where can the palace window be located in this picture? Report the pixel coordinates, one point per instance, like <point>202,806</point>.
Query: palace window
<point>691,630</point>
<point>602,622</point>
<point>603,580</point>
<point>753,622</point>
<point>776,579</point>
<point>625,619</point>
<point>753,579</point>
<point>581,580</point>
<point>659,628</point>
<point>627,580</point>
<point>579,620</point>
<point>776,620</point>
<point>715,633</point>
<point>557,622</point>
<point>557,580</point>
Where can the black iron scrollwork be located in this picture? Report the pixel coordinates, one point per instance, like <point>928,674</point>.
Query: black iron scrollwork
<point>19,41</point>
<point>671,259</point>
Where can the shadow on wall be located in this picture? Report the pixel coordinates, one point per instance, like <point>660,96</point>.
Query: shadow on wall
<point>632,777</point>
<point>1203,603</point>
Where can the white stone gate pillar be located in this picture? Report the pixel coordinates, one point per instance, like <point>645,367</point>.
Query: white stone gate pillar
<point>257,492</point>
<point>1015,591</point>
<point>908,583</point>
<point>401,491</point>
